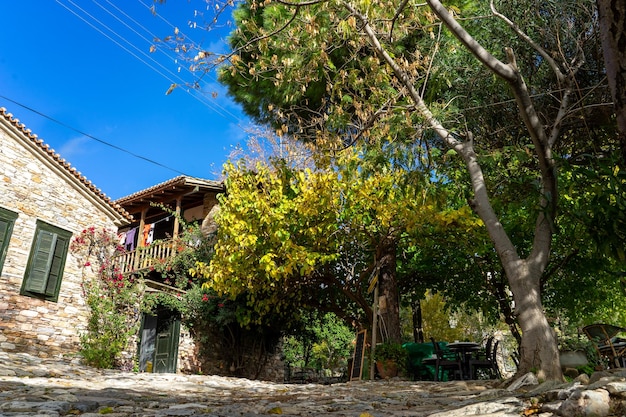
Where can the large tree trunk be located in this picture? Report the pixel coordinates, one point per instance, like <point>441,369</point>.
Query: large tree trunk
<point>612,15</point>
<point>389,299</point>
<point>538,349</point>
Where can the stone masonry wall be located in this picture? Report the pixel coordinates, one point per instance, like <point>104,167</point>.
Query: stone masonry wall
<point>211,357</point>
<point>36,192</point>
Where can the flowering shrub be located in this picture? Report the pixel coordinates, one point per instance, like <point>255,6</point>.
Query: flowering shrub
<point>113,299</point>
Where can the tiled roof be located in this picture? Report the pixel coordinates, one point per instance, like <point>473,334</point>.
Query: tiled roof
<point>180,181</point>
<point>63,163</point>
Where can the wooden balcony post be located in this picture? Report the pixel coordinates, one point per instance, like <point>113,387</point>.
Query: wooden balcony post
<point>142,223</point>
<point>179,202</point>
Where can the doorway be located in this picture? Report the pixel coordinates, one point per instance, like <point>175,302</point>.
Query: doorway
<point>158,345</point>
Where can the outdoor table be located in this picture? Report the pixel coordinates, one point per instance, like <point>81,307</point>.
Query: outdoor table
<point>465,350</point>
<point>620,352</point>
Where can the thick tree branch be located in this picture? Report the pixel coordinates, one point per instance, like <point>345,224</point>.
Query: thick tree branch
<point>480,204</point>
<point>510,73</point>
<point>404,78</point>
<point>494,64</point>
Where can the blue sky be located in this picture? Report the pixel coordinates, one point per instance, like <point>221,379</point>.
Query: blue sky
<point>94,73</point>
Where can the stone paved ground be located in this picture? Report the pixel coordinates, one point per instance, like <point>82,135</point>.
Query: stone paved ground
<point>31,386</point>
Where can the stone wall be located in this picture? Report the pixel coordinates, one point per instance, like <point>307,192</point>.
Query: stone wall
<point>213,357</point>
<point>188,349</point>
<point>34,188</point>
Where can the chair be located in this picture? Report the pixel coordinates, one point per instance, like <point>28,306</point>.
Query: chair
<point>446,361</point>
<point>488,361</point>
<point>486,352</point>
<point>602,336</point>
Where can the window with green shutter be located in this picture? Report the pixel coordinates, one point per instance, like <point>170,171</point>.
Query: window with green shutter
<point>46,262</point>
<point>7,219</point>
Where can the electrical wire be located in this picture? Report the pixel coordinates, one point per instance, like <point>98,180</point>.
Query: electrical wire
<point>171,25</point>
<point>141,55</point>
<point>154,36</point>
<point>93,137</point>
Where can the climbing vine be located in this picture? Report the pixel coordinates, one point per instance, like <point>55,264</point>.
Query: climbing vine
<point>113,300</point>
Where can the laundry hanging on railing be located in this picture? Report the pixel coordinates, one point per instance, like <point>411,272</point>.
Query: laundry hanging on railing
<point>148,234</point>
<point>130,239</point>
<point>121,238</point>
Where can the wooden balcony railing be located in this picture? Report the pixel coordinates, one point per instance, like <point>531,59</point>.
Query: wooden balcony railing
<point>145,257</point>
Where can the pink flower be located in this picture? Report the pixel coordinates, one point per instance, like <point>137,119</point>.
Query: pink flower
<point>87,263</point>
<point>220,305</point>
<point>205,298</point>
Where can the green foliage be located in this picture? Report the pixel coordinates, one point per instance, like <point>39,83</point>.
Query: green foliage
<point>583,284</point>
<point>201,308</point>
<point>586,369</point>
<point>311,73</point>
<point>571,338</point>
<point>192,247</point>
<point>595,195</point>
<point>443,324</point>
<point>391,351</point>
<point>113,300</point>
<point>322,342</point>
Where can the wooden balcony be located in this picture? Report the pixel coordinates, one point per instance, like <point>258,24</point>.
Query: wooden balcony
<point>146,257</point>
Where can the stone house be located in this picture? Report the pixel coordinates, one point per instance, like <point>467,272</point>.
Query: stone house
<point>164,345</point>
<point>44,202</point>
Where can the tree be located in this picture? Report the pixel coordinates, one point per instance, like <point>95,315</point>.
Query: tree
<point>324,342</point>
<point>612,15</point>
<point>319,238</point>
<point>346,91</point>
<point>322,71</point>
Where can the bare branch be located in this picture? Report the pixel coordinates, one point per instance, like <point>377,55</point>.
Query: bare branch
<point>494,64</point>
<point>269,35</point>
<point>395,17</point>
<point>299,4</point>
<point>529,41</point>
<point>430,63</point>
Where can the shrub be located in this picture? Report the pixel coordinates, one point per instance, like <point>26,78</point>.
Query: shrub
<point>113,299</point>
<point>392,351</point>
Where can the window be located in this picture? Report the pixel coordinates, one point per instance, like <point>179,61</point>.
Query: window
<point>7,219</point>
<point>46,262</point>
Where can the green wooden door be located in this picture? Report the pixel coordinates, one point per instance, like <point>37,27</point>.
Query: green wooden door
<point>158,347</point>
<point>166,349</point>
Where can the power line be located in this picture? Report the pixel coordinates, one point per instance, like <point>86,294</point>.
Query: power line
<point>93,137</point>
<point>173,78</point>
<point>133,54</point>
<point>171,25</point>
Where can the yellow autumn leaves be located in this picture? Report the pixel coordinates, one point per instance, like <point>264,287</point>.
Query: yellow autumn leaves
<point>279,225</point>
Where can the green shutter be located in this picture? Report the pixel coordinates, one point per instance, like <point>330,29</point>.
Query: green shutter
<point>7,219</point>
<point>4,239</point>
<point>41,262</point>
<point>46,262</point>
<point>4,228</point>
<point>56,266</point>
